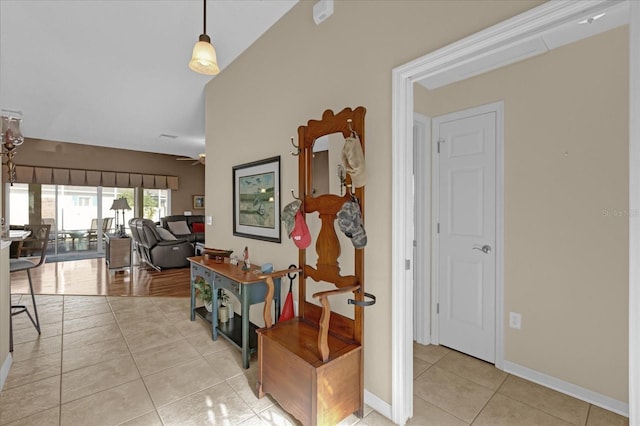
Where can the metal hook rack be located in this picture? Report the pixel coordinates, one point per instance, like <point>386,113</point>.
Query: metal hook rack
<point>297,151</point>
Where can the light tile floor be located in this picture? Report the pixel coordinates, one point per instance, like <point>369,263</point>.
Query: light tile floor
<point>141,361</point>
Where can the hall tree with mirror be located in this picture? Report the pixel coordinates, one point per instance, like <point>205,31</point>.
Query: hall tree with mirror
<point>312,365</point>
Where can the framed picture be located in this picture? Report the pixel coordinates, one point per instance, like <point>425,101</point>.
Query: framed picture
<point>198,202</point>
<point>256,200</point>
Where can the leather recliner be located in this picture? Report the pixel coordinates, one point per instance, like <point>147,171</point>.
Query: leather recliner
<point>156,251</point>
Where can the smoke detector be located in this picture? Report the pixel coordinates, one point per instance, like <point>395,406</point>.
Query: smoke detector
<point>322,10</point>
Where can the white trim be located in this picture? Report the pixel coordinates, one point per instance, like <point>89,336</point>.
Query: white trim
<point>500,247</point>
<point>498,109</point>
<point>422,269</point>
<point>402,305</point>
<point>518,28</point>
<point>4,371</point>
<point>568,388</point>
<point>381,406</point>
<point>435,241</point>
<point>634,218</point>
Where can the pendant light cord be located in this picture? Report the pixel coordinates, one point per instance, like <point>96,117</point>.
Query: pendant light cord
<point>205,17</point>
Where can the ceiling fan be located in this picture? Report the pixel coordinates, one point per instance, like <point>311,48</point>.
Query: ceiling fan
<point>199,160</point>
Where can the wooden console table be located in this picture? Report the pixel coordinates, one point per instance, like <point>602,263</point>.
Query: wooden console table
<point>248,286</point>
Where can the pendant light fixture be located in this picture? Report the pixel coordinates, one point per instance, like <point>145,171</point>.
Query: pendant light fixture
<point>204,60</point>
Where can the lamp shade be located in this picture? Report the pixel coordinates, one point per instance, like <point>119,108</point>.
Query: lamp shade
<point>204,59</point>
<point>120,204</point>
<point>11,133</point>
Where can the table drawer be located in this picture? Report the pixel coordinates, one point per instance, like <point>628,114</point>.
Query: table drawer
<point>199,270</point>
<point>232,286</point>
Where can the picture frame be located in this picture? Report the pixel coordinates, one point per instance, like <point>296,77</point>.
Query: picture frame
<point>256,200</point>
<point>198,202</point>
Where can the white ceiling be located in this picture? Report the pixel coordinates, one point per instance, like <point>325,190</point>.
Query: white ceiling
<point>114,72</point>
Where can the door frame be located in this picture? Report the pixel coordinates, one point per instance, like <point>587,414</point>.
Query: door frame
<point>422,176</point>
<point>490,40</point>
<point>498,109</point>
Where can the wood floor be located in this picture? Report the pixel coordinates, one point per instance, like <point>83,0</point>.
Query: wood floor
<point>92,277</point>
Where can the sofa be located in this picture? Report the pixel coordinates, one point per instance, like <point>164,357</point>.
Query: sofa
<point>158,247</point>
<point>191,230</point>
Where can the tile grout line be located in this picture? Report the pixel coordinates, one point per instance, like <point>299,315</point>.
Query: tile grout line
<point>89,365</point>
<point>155,408</point>
<point>495,392</point>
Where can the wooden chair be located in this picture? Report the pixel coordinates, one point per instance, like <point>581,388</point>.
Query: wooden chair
<point>313,364</point>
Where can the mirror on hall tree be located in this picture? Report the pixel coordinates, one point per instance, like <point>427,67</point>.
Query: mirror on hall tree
<point>326,170</point>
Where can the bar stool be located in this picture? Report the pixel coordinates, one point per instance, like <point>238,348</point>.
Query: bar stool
<point>27,258</point>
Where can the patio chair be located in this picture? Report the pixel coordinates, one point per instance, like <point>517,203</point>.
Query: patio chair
<point>31,253</point>
<point>92,233</point>
<point>53,233</point>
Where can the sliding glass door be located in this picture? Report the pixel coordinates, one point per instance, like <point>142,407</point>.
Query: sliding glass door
<point>80,215</point>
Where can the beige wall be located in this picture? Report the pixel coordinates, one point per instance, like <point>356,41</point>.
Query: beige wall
<point>37,152</point>
<point>566,198</point>
<point>296,71</point>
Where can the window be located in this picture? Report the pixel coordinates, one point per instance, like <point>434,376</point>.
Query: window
<point>156,202</point>
<point>84,201</point>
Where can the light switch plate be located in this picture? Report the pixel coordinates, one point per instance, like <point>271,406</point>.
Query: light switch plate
<point>515,320</point>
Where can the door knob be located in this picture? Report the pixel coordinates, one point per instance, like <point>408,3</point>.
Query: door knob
<point>485,248</point>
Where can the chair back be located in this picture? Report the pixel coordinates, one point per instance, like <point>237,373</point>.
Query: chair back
<point>144,232</point>
<point>106,224</point>
<point>54,230</point>
<point>36,243</point>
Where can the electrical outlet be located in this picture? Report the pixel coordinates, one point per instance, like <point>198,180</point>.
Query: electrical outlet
<point>515,320</point>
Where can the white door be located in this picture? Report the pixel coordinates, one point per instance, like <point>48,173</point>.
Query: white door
<point>467,232</point>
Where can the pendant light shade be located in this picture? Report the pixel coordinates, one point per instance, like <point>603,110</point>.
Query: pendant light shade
<point>204,59</point>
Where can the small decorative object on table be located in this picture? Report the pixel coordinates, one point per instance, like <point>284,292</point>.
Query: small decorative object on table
<point>214,252</point>
<point>247,264</point>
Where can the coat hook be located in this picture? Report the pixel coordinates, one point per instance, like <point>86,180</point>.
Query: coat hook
<point>294,195</point>
<point>353,132</point>
<point>297,152</point>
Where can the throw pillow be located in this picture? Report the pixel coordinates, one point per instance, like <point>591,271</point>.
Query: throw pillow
<point>179,228</point>
<point>198,227</point>
<point>165,235</point>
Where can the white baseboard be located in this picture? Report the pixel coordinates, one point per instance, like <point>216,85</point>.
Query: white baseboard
<point>568,388</point>
<point>4,370</point>
<point>377,404</point>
